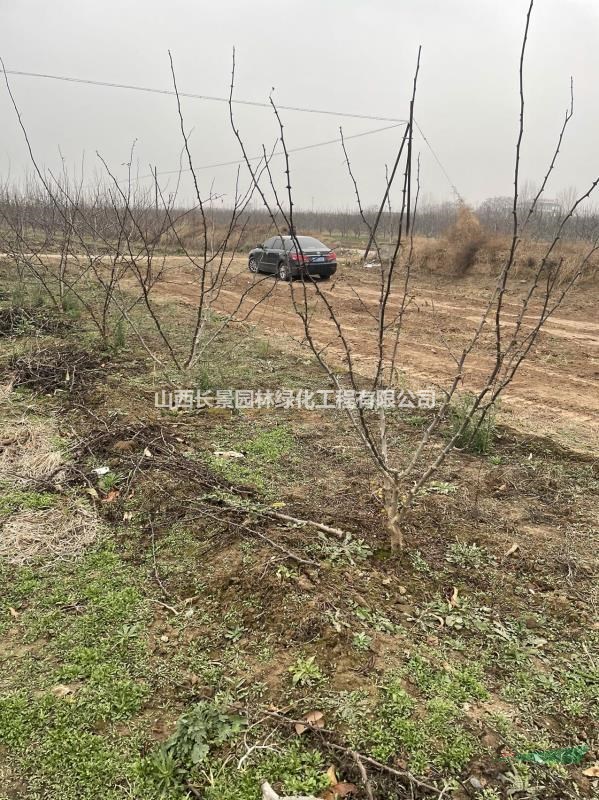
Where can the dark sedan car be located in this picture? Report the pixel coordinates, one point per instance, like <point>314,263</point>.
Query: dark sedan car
<point>281,256</point>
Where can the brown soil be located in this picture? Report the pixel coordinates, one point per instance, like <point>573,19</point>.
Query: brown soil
<point>556,390</point>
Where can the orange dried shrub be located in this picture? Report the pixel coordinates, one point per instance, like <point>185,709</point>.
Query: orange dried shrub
<point>465,239</point>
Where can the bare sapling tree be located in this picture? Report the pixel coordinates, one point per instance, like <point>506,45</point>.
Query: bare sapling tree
<point>504,340</point>
<point>108,247</point>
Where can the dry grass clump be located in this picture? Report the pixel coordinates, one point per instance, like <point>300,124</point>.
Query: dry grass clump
<point>466,238</point>
<point>567,260</point>
<point>47,535</point>
<point>30,452</point>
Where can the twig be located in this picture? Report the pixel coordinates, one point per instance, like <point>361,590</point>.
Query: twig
<point>267,512</point>
<point>365,779</point>
<point>164,605</point>
<point>404,774</point>
<point>156,573</point>
<point>270,541</point>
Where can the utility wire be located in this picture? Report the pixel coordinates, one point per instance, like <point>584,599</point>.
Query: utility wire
<point>438,160</point>
<point>275,153</point>
<point>153,90</point>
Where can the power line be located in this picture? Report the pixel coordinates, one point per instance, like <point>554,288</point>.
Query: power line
<point>276,153</point>
<point>153,90</point>
<point>438,160</point>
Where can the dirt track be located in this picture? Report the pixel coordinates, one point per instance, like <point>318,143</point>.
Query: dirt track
<point>556,392</point>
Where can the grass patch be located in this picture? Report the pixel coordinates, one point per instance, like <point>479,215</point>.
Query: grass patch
<point>16,500</point>
<point>263,453</point>
<point>423,734</point>
<point>479,432</point>
<point>86,626</point>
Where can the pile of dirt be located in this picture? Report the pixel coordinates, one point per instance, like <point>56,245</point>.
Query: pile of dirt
<point>52,369</point>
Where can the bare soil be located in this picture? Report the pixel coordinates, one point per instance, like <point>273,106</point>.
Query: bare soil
<point>556,391</point>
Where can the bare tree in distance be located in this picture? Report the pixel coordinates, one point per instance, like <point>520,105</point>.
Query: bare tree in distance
<point>510,337</point>
<point>106,247</point>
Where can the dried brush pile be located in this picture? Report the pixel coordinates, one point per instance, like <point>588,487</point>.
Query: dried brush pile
<point>51,369</point>
<point>17,321</point>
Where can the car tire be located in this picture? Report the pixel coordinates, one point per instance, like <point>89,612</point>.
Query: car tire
<point>253,265</point>
<point>283,272</point>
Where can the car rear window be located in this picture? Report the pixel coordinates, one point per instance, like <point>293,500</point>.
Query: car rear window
<point>307,243</point>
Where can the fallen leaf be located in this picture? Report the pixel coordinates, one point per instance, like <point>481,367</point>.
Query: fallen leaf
<point>13,612</point>
<point>512,550</point>
<point>91,491</point>
<point>228,454</point>
<point>332,775</point>
<point>111,496</point>
<point>147,453</point>
<point>315,718</point>
<point>453,602</point>
<point>339,790</point>
<point>592,772</point>
<point>343,789</point>
<point>61,690</point>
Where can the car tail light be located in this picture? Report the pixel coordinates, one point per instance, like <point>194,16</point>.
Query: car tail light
<point>300,257</point>
<point>332,256</point>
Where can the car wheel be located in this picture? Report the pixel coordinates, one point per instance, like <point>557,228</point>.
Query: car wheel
<point>284,272</point>
<point>253,264</point>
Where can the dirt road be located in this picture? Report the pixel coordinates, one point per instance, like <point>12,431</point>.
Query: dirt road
<point>555,393</point>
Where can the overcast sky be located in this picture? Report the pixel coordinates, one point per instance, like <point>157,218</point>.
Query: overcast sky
<point>344,55</point>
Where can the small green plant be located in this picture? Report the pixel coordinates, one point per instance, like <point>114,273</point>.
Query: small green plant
<point>162,771</point>
<point>204,726</point>
<point>108,481</point>
<point>295,769</point>
<point>376,620</point>
<point>119,336</point>
<point>71,305</point>
<point>235,633</point>
<point>305,672</point>
<point>419,563</point>
<point>263,348</point>
<point>361,641</point>
<point>477,433</point>
<point>468,555</point>
<point>439,487</point>
<point>488,793</point>
<point>284,573</point>
<point>271,444</point>
<point>38,297</point>
<point>349,549</point>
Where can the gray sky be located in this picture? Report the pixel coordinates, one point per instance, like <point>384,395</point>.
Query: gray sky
<point>347,55</point>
